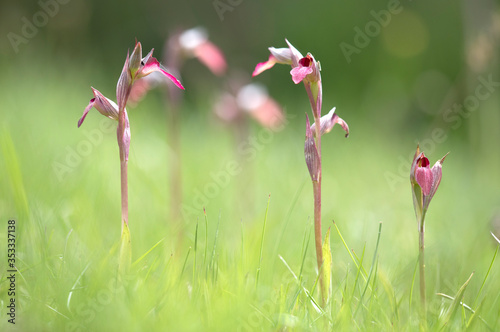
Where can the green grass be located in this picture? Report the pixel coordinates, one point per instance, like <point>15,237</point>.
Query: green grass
<point>247,264</point>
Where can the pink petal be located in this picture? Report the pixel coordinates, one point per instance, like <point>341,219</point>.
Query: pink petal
<point>105,106</point>
<point>295,54</point>
<point>212,57</point>
<point>328,121</point>
<point>171,77</point>
<point>264,66</point>
<point>299,73</point>
<point>281,55</point>
<point>424,178</point>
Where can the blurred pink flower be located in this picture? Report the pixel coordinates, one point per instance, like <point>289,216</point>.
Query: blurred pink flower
<point>194,43</point>
<point>253,100</point>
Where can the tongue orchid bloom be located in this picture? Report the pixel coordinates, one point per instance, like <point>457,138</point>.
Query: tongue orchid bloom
<point>104,105</point>
<point>307,70</point>
<point>424,182</point>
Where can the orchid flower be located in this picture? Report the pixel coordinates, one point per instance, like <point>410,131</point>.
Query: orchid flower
<point>307,70</point>
<point>105,106</point>
<point>328,121</point>
<point>424,183</point>
<point>135,68</point>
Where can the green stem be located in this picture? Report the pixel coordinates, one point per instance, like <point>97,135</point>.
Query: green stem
<point>421,263</point>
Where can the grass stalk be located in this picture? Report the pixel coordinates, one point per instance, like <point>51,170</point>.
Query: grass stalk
<point>262,243</point>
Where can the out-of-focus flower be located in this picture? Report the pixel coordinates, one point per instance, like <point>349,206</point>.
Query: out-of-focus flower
<point>194,43</point>
<point>251,99</point>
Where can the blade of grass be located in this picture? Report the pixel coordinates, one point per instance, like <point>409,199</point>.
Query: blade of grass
<point>214,249</point>
<point>456,302</point>
<point>347,248</point>
<point>68,301</point>
<point>147,252</point>
<point>185,261</point>
<point>206,237</point>
<point>195,250</point>
<point>288,216</point>
<point>315,304</point>
<point>305,246</point>
<point>465,306</point>
<point>485,277</point>
<point>413,284</point>
<point>262,243</point>
<point>371,269</point>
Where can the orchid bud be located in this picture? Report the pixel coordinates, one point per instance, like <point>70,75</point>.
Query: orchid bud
<point>124,84</point>
<point>311,153</point>
<point>135,59</point>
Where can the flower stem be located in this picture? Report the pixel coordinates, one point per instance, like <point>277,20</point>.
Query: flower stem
<point>317,234</point>
<point>123,136</point>
<point>316,101</point>
<point>421,263</point>
<point>124,191</point>
<point>123,167</point>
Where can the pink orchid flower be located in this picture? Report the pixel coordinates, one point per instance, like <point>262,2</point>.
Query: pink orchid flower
<point>424,181</point>
<point>135,68</point>
<point>105,106</point>
<point>328,121</point>
<point>302,67</point>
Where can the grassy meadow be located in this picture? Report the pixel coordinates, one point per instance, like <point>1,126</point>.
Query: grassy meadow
<point>241,255</point>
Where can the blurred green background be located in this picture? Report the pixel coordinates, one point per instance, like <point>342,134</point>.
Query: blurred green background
<point>404,83</point>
